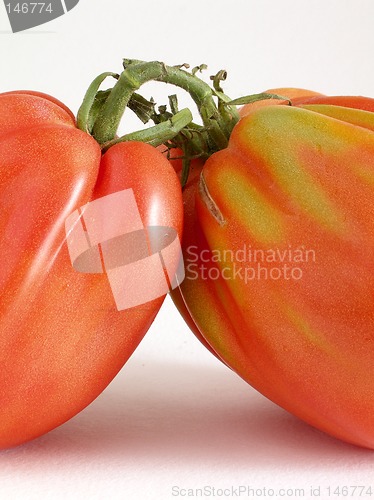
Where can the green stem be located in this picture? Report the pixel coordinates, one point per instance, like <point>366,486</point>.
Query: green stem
<point>158,134</point>
<point>229,113</point>
<point>137,73</point>
<point>83,115</point>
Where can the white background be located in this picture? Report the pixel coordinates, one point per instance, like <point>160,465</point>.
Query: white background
<point>174,416</point>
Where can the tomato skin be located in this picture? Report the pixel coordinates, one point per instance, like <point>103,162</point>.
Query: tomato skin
<point>190,233</point>
<point>62,338</point>
<point>44,97</point>
<point>128,165</point>
<point>294,176</point>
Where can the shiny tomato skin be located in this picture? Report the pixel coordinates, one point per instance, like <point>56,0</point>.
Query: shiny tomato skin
<point>44,97</point>
<point>62,338</point>
<point>300,175</point>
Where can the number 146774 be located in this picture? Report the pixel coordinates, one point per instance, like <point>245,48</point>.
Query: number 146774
<point>30,8</point>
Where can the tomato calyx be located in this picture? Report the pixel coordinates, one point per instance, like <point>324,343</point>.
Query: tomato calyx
<point>101,111</point>
<point>89,116</point>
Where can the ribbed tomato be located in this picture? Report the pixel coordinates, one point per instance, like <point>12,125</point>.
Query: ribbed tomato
<point>62,338</point>
<point>279,254</point>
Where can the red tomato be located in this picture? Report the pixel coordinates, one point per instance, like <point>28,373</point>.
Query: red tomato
<point>62,337</point>
<point>295,185</point>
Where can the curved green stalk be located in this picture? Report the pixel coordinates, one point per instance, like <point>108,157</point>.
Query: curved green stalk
<point>137,73</point>
<point>158,134</point>
<point>83,116</point>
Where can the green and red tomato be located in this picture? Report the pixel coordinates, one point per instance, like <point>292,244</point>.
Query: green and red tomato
<point>296,185</point>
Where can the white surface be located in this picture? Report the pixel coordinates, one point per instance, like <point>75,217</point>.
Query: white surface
<point>175,416</point>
